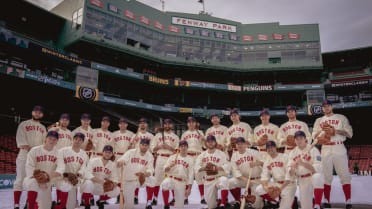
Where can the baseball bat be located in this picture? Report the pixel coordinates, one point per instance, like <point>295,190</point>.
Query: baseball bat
<point>242,199</point>
<point>121,198</point>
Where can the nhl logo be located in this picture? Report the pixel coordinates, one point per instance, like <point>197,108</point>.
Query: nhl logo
<point>87,93</point>
<point>315,109</point>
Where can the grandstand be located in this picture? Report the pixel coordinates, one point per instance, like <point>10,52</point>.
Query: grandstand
<point>144,62</point>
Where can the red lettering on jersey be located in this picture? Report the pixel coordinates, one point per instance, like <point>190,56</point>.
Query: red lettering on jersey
<point>216,133</point>
<point>305,157</point>
<point>34,128</point>
<point>263,131</point>
<point>291,126</point>
<point>244,160</point>
<point>136,160</point>
<point>211,159</point>
<point>191,136</point>
<point>333,122</point>
<point>43,158</point>
<point>122,138</point>
<point>236,129</point>
<point>182,162</point>
<point>277,164</point>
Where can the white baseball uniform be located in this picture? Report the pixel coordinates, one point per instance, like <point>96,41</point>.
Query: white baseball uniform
<point>180,175</point>
<point>271,130</point>
<point>308,182</point>
<point>64,137</point>
<point>134,162</point>
<point>195,147</point>
<point>171,139</point>
<point>100,139</point>
<point>335,154</point>
<point>240,166</point>
<point>40,158</point>
<point>31,133</point>
<point>275,171</point>
<point>241,129</point>
<point>290,128</point>
<point>220,132</point>
<point>96,168</point>
<point>141,135</point>
<point>214,182</point>
<point>121,141</point>
<point>87,132</point>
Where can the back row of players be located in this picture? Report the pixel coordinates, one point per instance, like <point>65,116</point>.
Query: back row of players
<point>304,162</point>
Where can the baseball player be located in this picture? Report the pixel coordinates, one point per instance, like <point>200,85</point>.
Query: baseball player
<point>99,172</point>
<point>287,130</point>
<point>42,158</point>
<point>85,129</point>
<point>179,176</point>
<point>334,153</point>
<point>102,136</point>
<point>121,138</point>
<point>30,133</point>
<point>275,173</point>
<point>142,133</point>
<point>245,163</point>
<point>264,132</point>
<point>164,145</point>
<point>219,131</point>
<point>304,163</point>
<point>138,169</point>
<point>71,161</point>
<point>237,129</point>
<point>214,165</point>
<point>65,137</point>
<point>195,140</point>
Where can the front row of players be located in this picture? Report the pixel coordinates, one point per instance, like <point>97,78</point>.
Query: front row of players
<point>271,176</point>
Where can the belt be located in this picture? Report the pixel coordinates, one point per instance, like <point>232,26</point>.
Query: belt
<point>290,148</point>
<point>211,179</point>
<point>193,153</point>
<point>306,175</point>
<point>176,178</point>
<point>164,155</point>
<point>98,153</point>
<point>334,143</point>
<point>254,178</point>
<point>119,153</point>
<point>262,150</point>
<point>280,182</point>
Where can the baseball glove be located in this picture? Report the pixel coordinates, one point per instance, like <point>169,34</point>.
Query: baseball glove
<point>89,145</point>
<point>141,178</point>
<point>274,192</point>
<point>291,141</point>
<point>41,177</point>
<point>72,178</point>
<point>250,199</point>
<point>232,143</point>
<point>211,169</point>
<point>329,130</point>
<point>108,185</point>
<point>220,147</point>
<point>324,139</point>
<point>262,141</point>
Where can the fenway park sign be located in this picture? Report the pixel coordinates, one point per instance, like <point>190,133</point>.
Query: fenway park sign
<point>203,24</point>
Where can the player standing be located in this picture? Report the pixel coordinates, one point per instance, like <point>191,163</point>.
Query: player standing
<point>179,176</point>
<point>121,138</point>
<point>41,160</point>
<point>195,140</point>
<point>30,133</point>
<point>219,131</point>
<point>102,136</point>
<point>163,145</point>
<point>65,136</point>
<point>304,163</point>
<point>138,169</point>
<point>265,131</point>
<point>334,153</point>
<point>213,164</point>
<point>289,128</point>
<point>85,129</point>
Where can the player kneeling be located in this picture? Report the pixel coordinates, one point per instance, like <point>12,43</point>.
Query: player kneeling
<point>100,178</point>
<point>180,175</point>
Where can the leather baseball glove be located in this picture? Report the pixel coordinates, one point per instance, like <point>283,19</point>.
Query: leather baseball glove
<point>211,169</point>
<point>250,198</point>
<point>220,147</point>
<point>108,185</point>
<point>141,178</point>
<point>41,177</point>
<point>72,178</point>
<point>232,143</point>
<point>291,141</point>
<point>323,139</point>
<point>329,130</point>
<point>262,141</point>
<point>89,145</point>
<point>274,192</point>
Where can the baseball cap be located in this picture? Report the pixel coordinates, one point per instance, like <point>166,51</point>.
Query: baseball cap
<point>326,102</point>
<point>240,140</point>
<point>106,118</point>
<point>291,107</point>
<point>142,120</point>
<point>168,120</point>
<point>264,112</point>
<point>191,119</point>
<point>183,143</point>
<point>299,133</point>
<point>38,108</point>
<point>85,116</point>
<point>53,134</point>
<point>65,116</point>
<point>270,144</point>
<point>123,120</point>
<point>234,111</point>
<point>79,135</point>
<point>214,115</point>
<point>108,148</point>
<point>211,138</point>
<point>145,141</point>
